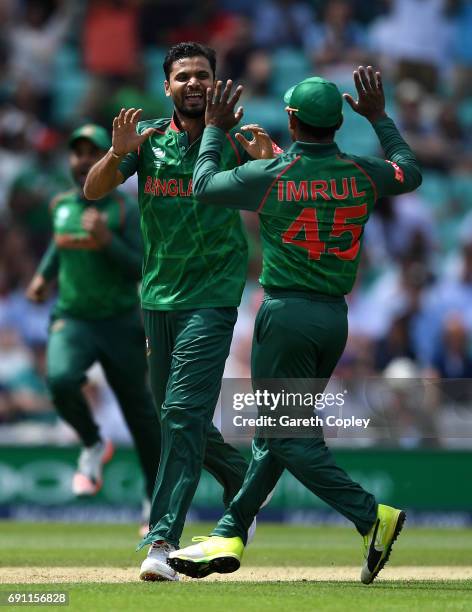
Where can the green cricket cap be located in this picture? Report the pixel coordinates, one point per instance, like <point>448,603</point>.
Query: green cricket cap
<point>316,102</point>
<point>95,133</point>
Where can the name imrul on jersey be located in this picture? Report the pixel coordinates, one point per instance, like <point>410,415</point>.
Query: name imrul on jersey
<point>334,189</point>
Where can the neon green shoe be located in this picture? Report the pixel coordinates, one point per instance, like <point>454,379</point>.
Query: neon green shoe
<point>379,541</point>
<point>211,554</point>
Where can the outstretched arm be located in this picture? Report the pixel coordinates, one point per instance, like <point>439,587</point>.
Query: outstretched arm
<point>242,187</point>
<point>400,172</point>
<point>37,290</point>
<point>105,175</point>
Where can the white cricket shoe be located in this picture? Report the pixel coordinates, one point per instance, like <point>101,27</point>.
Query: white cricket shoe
<point>88,477</point>
<point>154,566</point>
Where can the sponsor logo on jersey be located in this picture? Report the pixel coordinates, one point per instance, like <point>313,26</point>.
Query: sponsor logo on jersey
<point>168,187</point>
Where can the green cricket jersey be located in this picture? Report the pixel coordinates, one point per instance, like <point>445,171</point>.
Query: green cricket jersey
<point>94,283</point>
<point>195,256</point>
<point>313,202</point>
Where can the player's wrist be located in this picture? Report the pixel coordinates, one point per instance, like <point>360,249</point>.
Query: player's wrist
<point>374,117</point>
<point>114,155</point>
<point>213,123</point>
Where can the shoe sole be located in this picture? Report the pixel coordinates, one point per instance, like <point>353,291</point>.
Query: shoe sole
<point>201,569</point>
<point>153,577</point>
<point>396,533</point>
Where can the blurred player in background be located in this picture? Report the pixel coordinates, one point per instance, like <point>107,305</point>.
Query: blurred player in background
<point>313,202</point>
<point>96,255</point>
<point>195,262</point>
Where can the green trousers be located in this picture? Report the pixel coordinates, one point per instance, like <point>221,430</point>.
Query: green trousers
<point>117,343</point>
<point>302,336</point>
<point>187,351</point>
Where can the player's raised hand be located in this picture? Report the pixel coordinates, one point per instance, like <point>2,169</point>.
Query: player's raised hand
<point>371,99</point>
<point>220,106</point>
<point>125,139</point>
<point>260,146</point>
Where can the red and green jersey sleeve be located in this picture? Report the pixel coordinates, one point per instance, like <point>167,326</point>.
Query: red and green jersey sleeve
<point>94,282</point>
<point>194,256</point>
<point>313,202</point>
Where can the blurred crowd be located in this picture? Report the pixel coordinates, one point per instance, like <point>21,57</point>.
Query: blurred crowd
<point>64,62</point>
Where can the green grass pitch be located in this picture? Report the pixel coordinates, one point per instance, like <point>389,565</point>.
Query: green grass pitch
<point>111,547</point>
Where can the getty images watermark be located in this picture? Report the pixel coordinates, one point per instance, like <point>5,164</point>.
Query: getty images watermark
<point>395,411</point>
<point>278,403</point>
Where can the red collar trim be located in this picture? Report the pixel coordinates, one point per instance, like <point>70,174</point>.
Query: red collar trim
<point>173,126</point>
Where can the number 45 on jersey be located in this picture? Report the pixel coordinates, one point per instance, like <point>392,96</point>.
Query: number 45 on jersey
<point>307,222</point>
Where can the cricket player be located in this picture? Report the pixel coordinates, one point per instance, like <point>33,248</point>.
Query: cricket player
<point>96,254</point>
<point>313,203</point>
<point>195,261</point>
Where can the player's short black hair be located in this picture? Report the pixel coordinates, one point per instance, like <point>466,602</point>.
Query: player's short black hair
<point>188,49</point>
<point>317,132</point>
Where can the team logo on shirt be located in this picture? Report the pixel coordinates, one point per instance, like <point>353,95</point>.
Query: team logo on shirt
<point>61,216</point>
<point>160,154</point>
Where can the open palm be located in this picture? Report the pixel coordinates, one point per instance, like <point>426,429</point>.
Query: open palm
<point>125,139</point>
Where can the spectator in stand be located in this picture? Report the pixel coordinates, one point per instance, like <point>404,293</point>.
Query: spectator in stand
<point>106,96</point>
<point>234,45</point>
<point>339,43</point>
<point>398,291</point>
<point>15,130</point>
<point>416,36</point>
<point>110,43</point>
<point>26,390</point>
<point>452,358</point>
<point>257,77</point>
<point>449,296</point>
<point>33,189</point>
<point>434,147</point>
<point>34,42</point>
<point>284,23</point>
<point>157,20</point>
<point>463,51</point>
<point>397,343</point>
<point>400,225</point>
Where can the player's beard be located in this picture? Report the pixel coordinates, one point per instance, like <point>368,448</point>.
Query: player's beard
<point>79,176</point>
<point>190,113</point>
